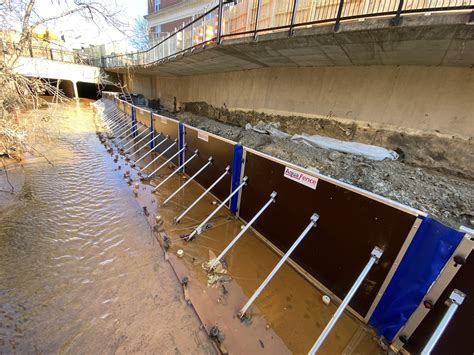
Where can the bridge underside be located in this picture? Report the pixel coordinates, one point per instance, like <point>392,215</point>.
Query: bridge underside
<point>436,39</point>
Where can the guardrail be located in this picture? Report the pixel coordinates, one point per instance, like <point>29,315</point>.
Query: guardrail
<point>249,18</point>
<point>46,52</point>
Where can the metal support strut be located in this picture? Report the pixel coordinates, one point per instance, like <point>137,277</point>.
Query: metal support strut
<point>166,162</point>
<point>145,145</point>
<point>118,125</point>
<point>226,172</point>
<point>374,258</point>
<point>455,300</point>
<point>126,137</point>
<point>209,162</point>
<point>110,114</point>
<point>136,136</point>
<point>314,218</point>
<point>139,141</point>
<point>152,150</point>
<point>122,129</point>
<point>177,170</point>
<point>159,156</point>
<point>111,120</point>
<point>242,232</point>
<point>199,228</point>
<point>105,112</point>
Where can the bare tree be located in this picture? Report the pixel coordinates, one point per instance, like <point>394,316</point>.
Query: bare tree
<point>140,38</point>
<point>18,92</point>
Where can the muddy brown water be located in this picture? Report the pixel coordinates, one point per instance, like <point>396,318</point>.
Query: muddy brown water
<point>80,270</point>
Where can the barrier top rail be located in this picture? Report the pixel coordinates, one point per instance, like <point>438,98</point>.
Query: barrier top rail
<point>248,18</point>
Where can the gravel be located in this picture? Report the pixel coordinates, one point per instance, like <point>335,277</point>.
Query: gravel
<point>448,198</point>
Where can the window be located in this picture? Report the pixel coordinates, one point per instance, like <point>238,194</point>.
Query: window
<point>157,5</point>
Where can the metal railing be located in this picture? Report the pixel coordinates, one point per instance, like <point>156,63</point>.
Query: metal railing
<point>249,18</point>
<point>46,52</point>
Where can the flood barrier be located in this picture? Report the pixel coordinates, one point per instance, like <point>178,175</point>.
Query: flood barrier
<point>414,249</point>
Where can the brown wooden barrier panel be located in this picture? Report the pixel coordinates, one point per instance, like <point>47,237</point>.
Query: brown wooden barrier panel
<point>456,338</point>
<point>350,225</point>
<point>167,126</point>
<point>143,116</point>
<point>128,109</point>
<point>208,145</point>
<point>119,104</point>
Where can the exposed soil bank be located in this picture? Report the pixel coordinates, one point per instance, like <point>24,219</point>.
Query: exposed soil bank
<point>446,153</point>
<point>411,181</point>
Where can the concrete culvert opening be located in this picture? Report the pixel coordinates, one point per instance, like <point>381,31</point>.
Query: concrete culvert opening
<point>88,90</point>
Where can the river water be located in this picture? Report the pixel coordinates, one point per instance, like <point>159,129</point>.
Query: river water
<point>80,270</point>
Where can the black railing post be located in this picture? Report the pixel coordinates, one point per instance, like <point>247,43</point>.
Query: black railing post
<point>397,20</point>
<point>219,23</point>
<point>337,25</point>
<point>293,17</point>
<point>257,18</point>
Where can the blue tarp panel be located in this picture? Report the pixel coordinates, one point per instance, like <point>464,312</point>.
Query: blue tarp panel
<point>152,129</point>
<point>181,142</point>
<point>134,122</point>
<point>430,249</point>
<point>236,171</point>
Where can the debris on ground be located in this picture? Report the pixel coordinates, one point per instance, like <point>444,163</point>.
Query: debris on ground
<point>218,274</point>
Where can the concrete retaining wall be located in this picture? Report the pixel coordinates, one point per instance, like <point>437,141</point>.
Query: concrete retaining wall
<point>436,99</point>
<point>424,111</point>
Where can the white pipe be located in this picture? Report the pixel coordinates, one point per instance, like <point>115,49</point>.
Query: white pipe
<point>374,257</point>
<point>159,156</point>
<point>209,162</point>
<point>136,143</point>
<point>242,232</point>
<point>119,124</point>
<point>124,139</point>
<point>314,218</point>
<point>108,120</point>
<point>167,161</point>
<point>133,138</point>
<point>122,130</point>
<point>145,145</point>
<point>456,299</point>
<point>199,228</point>
<point>152,150</point>
<point>176,171</point>
<point>203,194</point>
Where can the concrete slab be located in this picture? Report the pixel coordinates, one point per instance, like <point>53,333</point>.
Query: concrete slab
<point>438,39</point>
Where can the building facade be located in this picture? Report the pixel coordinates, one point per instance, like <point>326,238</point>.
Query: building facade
<point>166,16</point>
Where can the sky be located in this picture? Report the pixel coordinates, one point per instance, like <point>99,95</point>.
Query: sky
<point>81,33</point>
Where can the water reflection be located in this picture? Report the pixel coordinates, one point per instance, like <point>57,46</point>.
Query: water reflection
<point>79,271</point>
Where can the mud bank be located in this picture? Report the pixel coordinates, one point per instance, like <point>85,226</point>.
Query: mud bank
<point>441,152</point>
<point>411,181</point>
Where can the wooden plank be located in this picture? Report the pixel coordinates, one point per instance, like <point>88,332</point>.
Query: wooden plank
<point>208,145</point>
<point>350,225</point>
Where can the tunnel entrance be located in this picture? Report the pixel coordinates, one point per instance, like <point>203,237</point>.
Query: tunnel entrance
<point>88,90</point>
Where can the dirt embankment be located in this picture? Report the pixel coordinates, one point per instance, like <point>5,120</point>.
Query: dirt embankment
<point>447,197</point>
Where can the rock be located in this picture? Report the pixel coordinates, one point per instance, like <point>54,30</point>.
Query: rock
<point>333,155</point>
